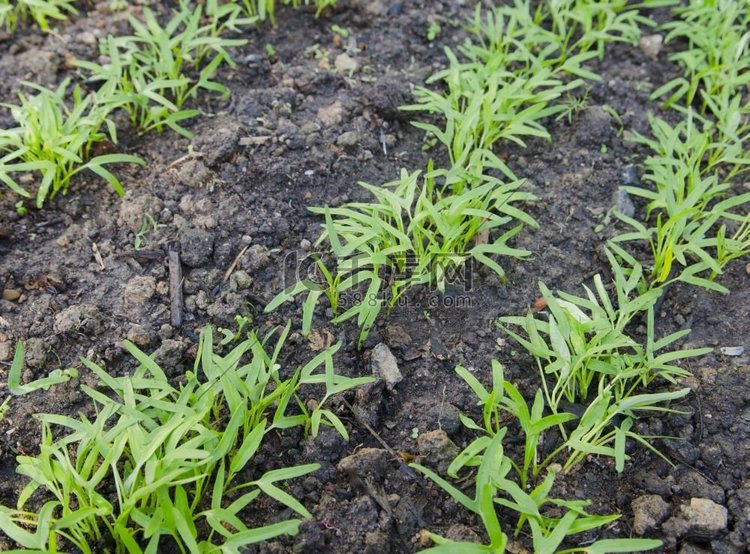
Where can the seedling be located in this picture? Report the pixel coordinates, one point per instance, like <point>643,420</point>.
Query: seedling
<point>494,484</point>
<point>148,225</point>
<point>148,71</point>
<point>690,202</point>
<point>175,456</point>
<point>41,11</point>
<point>266,9</point>
<point>573,105</point>
<point>584,355</point>
<point>433,31</point>
<point>415,232</point>
<point>341,31</point>
<point>56,140</point>
<point>716,61</point>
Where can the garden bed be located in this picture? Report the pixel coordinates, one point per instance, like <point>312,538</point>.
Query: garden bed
<point>311,113</point>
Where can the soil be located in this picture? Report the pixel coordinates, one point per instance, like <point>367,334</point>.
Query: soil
<point>298,132</point>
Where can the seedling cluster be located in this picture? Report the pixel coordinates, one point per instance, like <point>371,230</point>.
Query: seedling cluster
<point>151,74</point>
<point>176,456</point>
<point>582,348</point>
<point>13,12</point>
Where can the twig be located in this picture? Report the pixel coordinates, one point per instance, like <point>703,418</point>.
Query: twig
<point>232,267</point>
<point>97,255</point>
<point>186,157</point>
<point>175,286</point>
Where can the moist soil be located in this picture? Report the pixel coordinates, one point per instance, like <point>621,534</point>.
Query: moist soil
<point>302,130</point>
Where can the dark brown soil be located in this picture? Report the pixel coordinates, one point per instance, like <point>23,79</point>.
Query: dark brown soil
<point>239,190</point>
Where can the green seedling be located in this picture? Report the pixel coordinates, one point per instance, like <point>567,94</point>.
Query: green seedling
<point>341,31</point>
<point>175,456</point>
<point>573,105</point>
<point>433,31</point>
<point>148,225</point>
<point>55,377</point>
<point>41,11</point>
<point>266,9</point>
<point>585,356</point>
<point>149,72</point>
<point>716,60</point>
<point>580,26</point>
<point>690,205</point>
<point>495,486</point>
<point>517,66</point>
<point>56,140</point>
<point>415,232</point>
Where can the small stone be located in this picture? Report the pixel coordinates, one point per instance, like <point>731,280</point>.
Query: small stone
<point>371,8</point>
<point>732,350</point>
<point>331,115</point>
<point>651,45</point>
<point>345,63</point>
<point>196,247</point>
<point>86,37</point>
<point>707,518</point>
<point>694,484</point>
<point>11,294</point>
<point>135,206</point>
<point>241,280</point>
<point>348,139</point>
<point>138,335</point>
<point>649,511</point>
<point>747,268</point>
<point>384,365</point>
<point>397,335</point>
<point>140,289</point>
<point>305,245</point>
<point>366,461</point>
<point>630,175</point>
<point>169,356</point>
<point>437,448</point>
<point>675,528</point>
<point>7,351</point>
<point>320,340</point>
<point>462,533</point>
<point>194,173</point>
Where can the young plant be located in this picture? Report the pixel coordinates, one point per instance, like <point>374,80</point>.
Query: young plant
<point>517,70</point>
<point>176,457</point>
<point>415,232</point>
<point>581,26</point>
<point>57,140</point>
<point>716,60</point>
<point>585,356</point>
<point>692,203</point>
<point>41,11</point>
<point>151,71</point>
<point>266,9</point>
<point>494,486</point>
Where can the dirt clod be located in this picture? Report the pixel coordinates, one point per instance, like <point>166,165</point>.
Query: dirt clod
<point>139,290</point>
<point>706,517</point>
<point>196,247</point>
<point>649,511</point>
